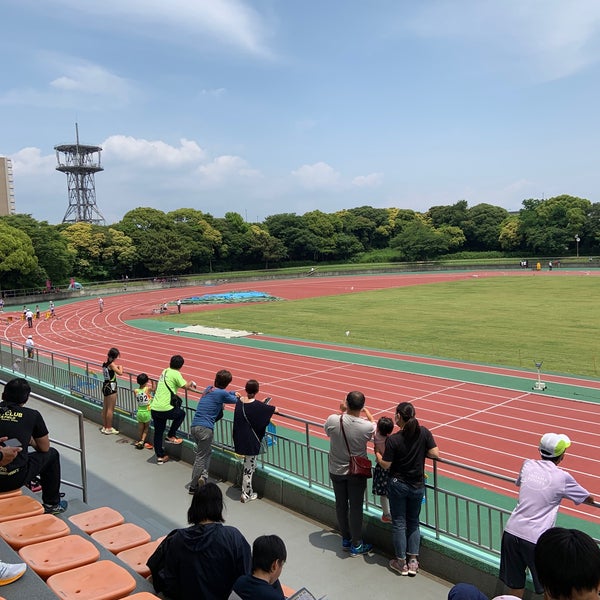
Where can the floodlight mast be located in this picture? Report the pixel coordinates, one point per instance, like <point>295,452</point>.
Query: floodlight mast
<point>80,163</point>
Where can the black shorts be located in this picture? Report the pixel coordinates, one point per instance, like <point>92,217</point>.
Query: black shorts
<point>109,388</point>
<point>516,556</point>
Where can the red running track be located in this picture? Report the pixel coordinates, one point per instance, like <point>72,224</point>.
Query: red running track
<point>491,428</point>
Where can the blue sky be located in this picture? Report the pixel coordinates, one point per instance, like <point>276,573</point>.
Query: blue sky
<point>269,106</point>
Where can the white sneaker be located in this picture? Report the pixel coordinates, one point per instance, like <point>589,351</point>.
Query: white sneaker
<point>248,498</point>
<point>10,573</point>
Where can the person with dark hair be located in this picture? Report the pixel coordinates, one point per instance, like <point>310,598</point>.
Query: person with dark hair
<point>385,427</point>
<point>349,490</point>
<point>542,486</point>
<point>208,412</point>
<point>404,456</point>
<point>250,420</point>
<point>466,591</point>
<point>110,370</point>
<point>268,557</point>
<point>143,397</point>
<point>162,410</point>
<point>558,547</point>
<point>28,427</point>
<point>205,559</point>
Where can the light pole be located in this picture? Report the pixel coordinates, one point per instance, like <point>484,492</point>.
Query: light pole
<point>577,240</point>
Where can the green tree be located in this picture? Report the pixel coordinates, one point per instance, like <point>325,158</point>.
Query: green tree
<point>456,214</point>
<point>203,239</point>
<point>18,263</point>
<point>510,237</point>
<point>549,226</point>
<point>420,241</point>
<point>86,242</point>
<point>262,246</point>
<point>483,225</point>
<point>54,258</point>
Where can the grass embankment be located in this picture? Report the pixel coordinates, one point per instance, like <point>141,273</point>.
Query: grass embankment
<point>502,320</point>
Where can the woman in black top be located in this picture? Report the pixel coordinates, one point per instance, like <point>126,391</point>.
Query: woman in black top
<point>404,456</point>
<point>110,370</point>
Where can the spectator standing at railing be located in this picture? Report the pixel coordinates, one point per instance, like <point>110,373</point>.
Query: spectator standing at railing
<point>110,370</point>
<point>542,486</point>
<point>404,456</point>
<point>208,412</point>
<point>349,490</point>
<point>250,420</point>
<point>163,410</point>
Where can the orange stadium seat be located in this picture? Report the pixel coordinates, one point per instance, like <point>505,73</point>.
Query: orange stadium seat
<point>97,519</point>
<point>17,507</point>
<point>58,555</point>
<point>17,492</point>
<point>31,530</point>
<point>102,580</point>
<point>140,596</point>
<point>137,557</point>
<point>122,537</point>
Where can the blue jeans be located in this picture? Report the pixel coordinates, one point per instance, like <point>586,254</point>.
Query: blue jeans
<point>405,506</point>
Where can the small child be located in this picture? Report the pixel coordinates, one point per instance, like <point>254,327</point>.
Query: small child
<point>143,396</point>
<point>385,426</point>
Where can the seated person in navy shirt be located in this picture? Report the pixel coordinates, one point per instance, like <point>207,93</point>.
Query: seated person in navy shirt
<point>268,556</point>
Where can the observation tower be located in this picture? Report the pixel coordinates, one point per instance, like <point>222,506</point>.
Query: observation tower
<point>80,163</point>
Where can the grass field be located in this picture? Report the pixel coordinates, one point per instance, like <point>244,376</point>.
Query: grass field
<point>500,320</point>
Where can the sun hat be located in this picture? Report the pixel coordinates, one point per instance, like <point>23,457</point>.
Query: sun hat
<point>553,445</point>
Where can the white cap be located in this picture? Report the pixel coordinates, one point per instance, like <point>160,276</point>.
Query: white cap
<point>29,337</point>
<point>553,445</point>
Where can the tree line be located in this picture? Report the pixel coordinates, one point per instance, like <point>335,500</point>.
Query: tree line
<point>148,242</point>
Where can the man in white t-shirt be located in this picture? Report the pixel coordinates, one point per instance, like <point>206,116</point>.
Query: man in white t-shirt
<point>29,346</point>
<point>542,486</point>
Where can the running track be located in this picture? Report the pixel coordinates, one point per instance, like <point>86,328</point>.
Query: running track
<point>488,427</point>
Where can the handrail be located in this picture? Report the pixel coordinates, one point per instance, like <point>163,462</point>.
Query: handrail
<point>80,449</point>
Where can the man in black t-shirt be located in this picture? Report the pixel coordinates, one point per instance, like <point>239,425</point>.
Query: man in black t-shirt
<point>27,425</point>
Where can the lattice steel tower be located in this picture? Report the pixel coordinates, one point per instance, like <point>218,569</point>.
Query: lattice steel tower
<point>80,163</point>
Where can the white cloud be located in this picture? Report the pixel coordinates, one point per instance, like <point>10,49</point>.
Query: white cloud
<point>29,161</point>
<point>319,175</point>
<point>76,83</point>
<point>154,153</point>
<point>232,22</point>
<point>371,180</point>
<point>225,169</point>
<point>214,92</point>
<point>545,39</point>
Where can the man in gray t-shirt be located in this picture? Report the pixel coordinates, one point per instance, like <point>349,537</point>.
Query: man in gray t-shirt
<point>349,489</point>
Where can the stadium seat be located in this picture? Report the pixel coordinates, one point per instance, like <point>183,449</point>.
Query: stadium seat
<point>97,519</point>
<point>140,596</point>
<point>102,580</point>
<point>17,492</point>
<point>122,537</point>
<point>58,555</point>
<point>32,530</point>
<point>17,507</point>
<point>137,557</point>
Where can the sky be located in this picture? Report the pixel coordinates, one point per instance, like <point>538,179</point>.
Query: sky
<point>263,107</point>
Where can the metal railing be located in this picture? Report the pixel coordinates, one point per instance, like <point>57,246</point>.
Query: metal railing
<point>298,449</point>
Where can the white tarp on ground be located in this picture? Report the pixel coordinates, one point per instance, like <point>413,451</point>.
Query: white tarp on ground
<point>215,331</point>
